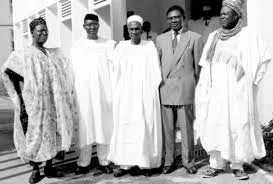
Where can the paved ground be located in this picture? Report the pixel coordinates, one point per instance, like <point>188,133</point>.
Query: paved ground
<point>14,171</point>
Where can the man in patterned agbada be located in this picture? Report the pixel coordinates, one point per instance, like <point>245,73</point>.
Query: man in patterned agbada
<point>38,82</point>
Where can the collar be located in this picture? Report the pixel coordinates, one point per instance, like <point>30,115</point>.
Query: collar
<point>178,32</point>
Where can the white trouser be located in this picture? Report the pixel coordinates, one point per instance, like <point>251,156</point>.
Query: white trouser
<point>217,162</point>
<point>86,155</point>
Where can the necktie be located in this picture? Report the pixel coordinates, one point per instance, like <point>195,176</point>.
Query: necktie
<point>147,35</point>
<point>174,41</point>
<point>206,22</point>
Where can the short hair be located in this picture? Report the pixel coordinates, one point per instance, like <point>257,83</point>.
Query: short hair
<point>36,22</point>
<point>177,8</point>
<point>91,16</point>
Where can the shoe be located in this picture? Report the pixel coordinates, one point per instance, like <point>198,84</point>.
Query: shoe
<point>82,170</point>
<point>168,169</point>
<point>135,171</point>
<point>211,172</point>
<point>52,172</point>
<point>147,172</point>
<point>106,169</point>
<point>35,177</point>
<point>121,172</point>
<point>191,170</point>
<point>240,175</point>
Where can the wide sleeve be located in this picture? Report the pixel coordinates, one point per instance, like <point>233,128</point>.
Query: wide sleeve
<point>151,87</point>
<point>110,55</point>
<point>15,63</point>
<point>264,56</point>
<point>154,60</point>
<point>116,60</point>
<point>203,60</point>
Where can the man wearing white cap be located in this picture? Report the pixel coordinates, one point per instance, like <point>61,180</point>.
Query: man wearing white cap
<point>137,134</point>
<point>234,60</point>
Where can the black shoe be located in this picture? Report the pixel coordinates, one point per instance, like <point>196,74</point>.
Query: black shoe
<point>135,171</point>
<point>106,169</point>
<point>147,172</point>
<point>191,170</point>
<point>82,170</point>
<point>35,177</point>
<point>121,172</point>
<point>168,169</point>
<point>52,172</point>
<point>240,175</point>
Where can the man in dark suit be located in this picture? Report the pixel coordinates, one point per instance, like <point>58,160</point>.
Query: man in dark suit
<point>180,51</point>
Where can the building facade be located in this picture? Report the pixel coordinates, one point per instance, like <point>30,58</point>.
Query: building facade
<point>65,17</point>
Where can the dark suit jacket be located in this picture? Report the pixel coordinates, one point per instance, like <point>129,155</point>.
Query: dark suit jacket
<point>180,70</point>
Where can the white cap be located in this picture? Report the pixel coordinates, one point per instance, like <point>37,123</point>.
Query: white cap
<point>135,18</point>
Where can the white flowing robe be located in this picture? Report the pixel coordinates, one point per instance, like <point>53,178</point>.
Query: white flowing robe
<point>137,136</point>
<point>91,60</point>
<point>226,118</point>
<point>48,97</point>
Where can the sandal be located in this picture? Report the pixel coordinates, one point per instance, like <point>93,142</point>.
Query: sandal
<point>211,172</point>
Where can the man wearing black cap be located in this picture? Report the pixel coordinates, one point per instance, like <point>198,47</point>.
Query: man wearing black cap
<point>91,59</point>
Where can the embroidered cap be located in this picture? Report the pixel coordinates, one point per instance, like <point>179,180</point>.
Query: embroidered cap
<point>236,5</point>
<point>135,18</point>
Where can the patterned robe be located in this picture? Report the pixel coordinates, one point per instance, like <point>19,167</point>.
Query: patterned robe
<point>48,97</point>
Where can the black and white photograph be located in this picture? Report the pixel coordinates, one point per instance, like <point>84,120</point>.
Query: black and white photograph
<point>136,92</point>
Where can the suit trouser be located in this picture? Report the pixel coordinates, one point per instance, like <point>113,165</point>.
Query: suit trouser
<point>183,116</point>
<point>86,155</point>
<point>217,162</point>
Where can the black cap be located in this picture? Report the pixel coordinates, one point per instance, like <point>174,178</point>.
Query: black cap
<point>91,16</point>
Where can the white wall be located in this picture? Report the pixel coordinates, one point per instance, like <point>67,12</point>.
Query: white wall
<point>5,30</point>
<point>6,42</point>
<point>117,18</point>
<point>260,19</point>
<point>81,7</point>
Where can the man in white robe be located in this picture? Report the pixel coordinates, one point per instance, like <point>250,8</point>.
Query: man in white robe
<point>91,59</point>
<point>233,62</point>
<point>137,135</point>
